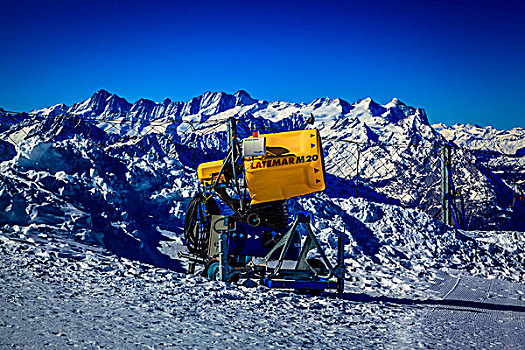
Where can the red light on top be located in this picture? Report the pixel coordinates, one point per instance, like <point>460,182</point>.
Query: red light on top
<point>255,134</point>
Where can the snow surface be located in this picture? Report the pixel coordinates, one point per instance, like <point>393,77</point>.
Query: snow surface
<point>116,178</point>
<point>58,293</point>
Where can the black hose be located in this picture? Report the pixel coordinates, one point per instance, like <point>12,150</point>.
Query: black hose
<point>197,224</point>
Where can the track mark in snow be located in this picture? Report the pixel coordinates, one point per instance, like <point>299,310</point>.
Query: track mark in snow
<point>453,288</point>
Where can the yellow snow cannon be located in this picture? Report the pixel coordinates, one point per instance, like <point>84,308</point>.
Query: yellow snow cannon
<point>290,165</point>
<point>258,238</point>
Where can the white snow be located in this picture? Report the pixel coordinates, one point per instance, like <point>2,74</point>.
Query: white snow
<point>58,293</point>
<point>484,138</point>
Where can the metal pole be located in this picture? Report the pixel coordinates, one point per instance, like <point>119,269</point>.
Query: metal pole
<point>357,170</point>
<point>513,193</point>
<point>487,206</point>
<point>443,186</point>
<point>446,215</point>
<point>340,269</point>
<point>232,137</point>
<point>223,257</point>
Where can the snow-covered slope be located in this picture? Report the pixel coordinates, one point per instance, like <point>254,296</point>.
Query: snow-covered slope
<point>62,294</point>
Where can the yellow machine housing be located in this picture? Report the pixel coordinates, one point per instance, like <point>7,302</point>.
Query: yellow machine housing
<point>208,172</point>
<point>292,166</point>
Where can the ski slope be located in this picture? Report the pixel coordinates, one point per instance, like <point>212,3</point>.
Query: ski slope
<point>59,294</point>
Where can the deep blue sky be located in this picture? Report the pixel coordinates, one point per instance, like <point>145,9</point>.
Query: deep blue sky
<point>463,61</point>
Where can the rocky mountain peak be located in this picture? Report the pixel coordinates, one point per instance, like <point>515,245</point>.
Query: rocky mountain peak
<point>243,98</point>
<point>367,104</point>
<point>100,95</point>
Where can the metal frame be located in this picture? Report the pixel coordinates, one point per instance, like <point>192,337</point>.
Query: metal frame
<point>303,276</point>
<point>449,213</point>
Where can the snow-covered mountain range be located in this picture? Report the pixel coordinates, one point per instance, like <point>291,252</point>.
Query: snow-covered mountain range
<point>121,174</point>
<point>484,138</point>
<point>365,116</point>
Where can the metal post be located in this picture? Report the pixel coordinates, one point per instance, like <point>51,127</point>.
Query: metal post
<point>487,207</point>
<point>191,267</point>
<point>446,214</point>
<point>513,193</point>
<point>231,133</point>
<point>223,257</point>
<point>232,137</point>
<point>340,269</point>
<point>357,170</point>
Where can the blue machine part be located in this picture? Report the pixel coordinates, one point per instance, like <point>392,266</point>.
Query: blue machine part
<point>258,241</point>
<point>321,284</point>
<point>213,271</point>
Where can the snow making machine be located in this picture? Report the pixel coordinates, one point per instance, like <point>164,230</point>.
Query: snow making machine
<point>257,238</point>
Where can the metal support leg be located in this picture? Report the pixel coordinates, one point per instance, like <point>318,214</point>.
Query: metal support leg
<point>311,242</point>
<point>191,268</point>
<point>223,258</point>
<point>285,247</point>
<point>283,241</point>
<point>320,250</point>
<point>301,263</point>
<point>340,269</point>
